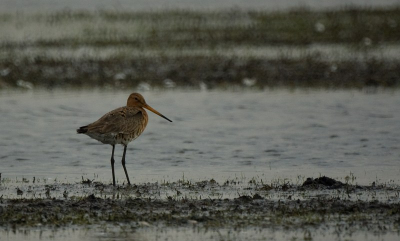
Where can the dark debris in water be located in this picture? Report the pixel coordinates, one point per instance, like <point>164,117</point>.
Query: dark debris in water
<point>324,181</point>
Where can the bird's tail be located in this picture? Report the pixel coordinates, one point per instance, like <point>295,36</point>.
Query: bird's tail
<point>82,129</point>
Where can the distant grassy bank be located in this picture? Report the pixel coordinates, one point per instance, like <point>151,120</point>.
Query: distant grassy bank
<point>207,29</point>
<point>192,48</point>
<point>209,72</point>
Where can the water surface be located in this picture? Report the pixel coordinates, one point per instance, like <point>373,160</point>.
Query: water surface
<point>273,135</point>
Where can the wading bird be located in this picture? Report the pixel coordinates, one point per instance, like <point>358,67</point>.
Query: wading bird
<point>121,126</point>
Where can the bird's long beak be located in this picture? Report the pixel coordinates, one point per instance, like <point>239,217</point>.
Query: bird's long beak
<point>156,112</point>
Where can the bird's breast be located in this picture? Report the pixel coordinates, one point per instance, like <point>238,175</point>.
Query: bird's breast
<point>114,138</point>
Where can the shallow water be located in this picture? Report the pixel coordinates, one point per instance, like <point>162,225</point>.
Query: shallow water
<point>270,135</point>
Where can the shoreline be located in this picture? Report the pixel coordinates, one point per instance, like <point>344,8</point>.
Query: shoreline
<point>208,202</point>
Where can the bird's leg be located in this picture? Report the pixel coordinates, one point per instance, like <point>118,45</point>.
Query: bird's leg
<point>112,164</point>
<point>123,165</point>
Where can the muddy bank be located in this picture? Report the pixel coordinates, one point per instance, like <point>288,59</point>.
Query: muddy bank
<point>200,72</point>
<point>320,202</point>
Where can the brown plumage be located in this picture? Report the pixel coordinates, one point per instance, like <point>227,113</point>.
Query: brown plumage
<point>121,126</point>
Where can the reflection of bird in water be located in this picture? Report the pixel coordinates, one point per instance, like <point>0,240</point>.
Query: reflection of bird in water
<point>121,126</point>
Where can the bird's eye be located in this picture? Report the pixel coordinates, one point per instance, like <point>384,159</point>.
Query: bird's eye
<point>136,98</point>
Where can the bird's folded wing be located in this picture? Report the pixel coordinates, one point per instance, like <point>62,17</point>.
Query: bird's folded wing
<point>120,120</point>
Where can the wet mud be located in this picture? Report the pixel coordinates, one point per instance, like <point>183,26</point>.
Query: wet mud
<point>317,203</point>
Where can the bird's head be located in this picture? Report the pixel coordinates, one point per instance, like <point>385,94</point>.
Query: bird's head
<point>137,100</point>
